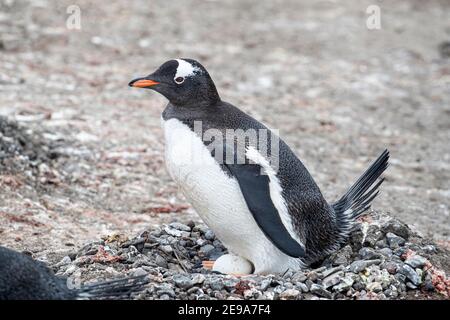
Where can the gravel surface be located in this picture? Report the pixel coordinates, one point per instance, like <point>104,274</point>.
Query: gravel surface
<point>383,260</point>
<point>81,154</point>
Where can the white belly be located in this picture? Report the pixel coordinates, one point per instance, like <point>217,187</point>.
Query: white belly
<point>218,200</point>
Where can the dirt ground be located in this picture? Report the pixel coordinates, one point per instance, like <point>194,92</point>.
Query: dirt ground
<point>338,92</point>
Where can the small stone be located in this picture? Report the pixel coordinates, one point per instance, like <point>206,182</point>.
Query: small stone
<point>64,261</point>
<point>180,226</point>
<point>209,235</point>
<point>206,248</point>
<point>344,285</point>
<point>387,252</point>
<point>299,277</point>
<point>374,287</point>
<point>372,236</point>
<point>290,294</point>
<point>303,287</point>
<point>313,276</point>
<point>330,271</point>
<point>394,241</point>
<point>166,291</point>
<point>428,285</point>
<point>216,284</point>
<point>70,270</point>
<point>369,254</point>
<point>332,279</point>
<point>400,251</point>
<point>381,244</point>
<point>416,261</point>
<point>309,283</point>
<point>203,229</point>
<point>201,242</point>
<point>176,233</point>
<point>251,293</point>
<point>139,272</point>
<point>410,274</point>
<point>166,248</point>
<point>160,261</point>
<point>360,265</point>
<point>400,277</point>
<point>358,285</point>
<point>396,227</point>
<point>343,256</point>
<point>264,284</point>
<point>390,266</point>
<point>198,279</point>
<point>193,290</point>
<point>182,281</point>
<point>429,248</point>
<point>320,291</point>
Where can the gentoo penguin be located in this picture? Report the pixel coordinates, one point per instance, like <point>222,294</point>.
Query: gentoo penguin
<point>22,278</point>
<point>259,200</point>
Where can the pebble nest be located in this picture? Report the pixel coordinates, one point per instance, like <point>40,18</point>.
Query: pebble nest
<point>384,259</point>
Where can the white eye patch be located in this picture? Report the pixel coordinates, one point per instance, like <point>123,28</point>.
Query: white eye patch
<point>185,69</point>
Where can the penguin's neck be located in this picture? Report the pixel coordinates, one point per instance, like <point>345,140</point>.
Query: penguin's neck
<point>190,112</point>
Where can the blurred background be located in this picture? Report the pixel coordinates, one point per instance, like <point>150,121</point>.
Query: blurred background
<point>81,153</point>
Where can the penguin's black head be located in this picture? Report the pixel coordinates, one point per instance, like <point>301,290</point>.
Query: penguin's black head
<point>184,82</point>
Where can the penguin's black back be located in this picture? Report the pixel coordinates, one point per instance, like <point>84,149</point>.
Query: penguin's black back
<point>313,218</point>
<point>22,278</point>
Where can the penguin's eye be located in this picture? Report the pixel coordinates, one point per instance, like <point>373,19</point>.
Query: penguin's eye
<point>179,80</point>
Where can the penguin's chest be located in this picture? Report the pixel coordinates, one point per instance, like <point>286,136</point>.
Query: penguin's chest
<point>214,195</point>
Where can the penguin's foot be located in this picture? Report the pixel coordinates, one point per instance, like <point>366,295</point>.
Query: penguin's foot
<point>233,265</point>
<point>208,264</point>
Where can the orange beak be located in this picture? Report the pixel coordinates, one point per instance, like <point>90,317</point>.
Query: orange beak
<point>143,83</point>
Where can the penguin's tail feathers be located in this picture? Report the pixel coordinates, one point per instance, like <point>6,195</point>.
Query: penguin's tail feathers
<point>358,198</point>
<point>112,290</point>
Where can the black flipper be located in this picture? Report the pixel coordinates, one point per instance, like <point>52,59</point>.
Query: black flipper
<point>255,188</point>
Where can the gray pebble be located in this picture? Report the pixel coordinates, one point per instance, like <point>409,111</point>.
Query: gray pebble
<point>394,241</point>
<point>320,291</point>
<point>290,294</point>
<point>180,226</point>
<point>416,261</point>
<point>302,287</point>
<point>396,227</point>
<point>390,266</point>
<point>209,235</point>
<point>387,252</point>
<point>374,287</point>
<point>206,248</point>
<point>369,254</point>
<point>330,271</point>
<point>410,274</point>
<point>332,279</point>
<point>265,284</point>
<point>139,272</point>
<point>216,284</point>
<point>166,248</point>
<point>344,285</point>
<point>198,279</point>
<point>160,261</point>
<point>360,265</point>
<point>183,281</point>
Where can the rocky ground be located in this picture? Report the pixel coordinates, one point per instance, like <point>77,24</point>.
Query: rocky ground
<point>81,154</point>
<point>383,260</point>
